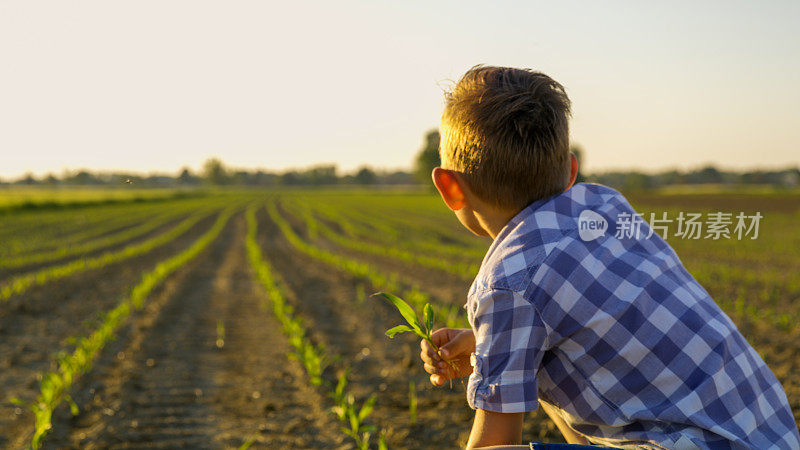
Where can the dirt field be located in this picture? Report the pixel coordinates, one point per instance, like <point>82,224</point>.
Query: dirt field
<point>205,363</point>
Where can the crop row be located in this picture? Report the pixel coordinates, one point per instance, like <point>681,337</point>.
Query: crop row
<point>419,215</point>
<point>55,229</point>
<point>461,269</point>
<point>313,357</point>
<point>387,282</point>
<point>411,250</point>
<point>21,283</point>
<point>391,231</point>
<point>65,250</point>
<point>55,385</point>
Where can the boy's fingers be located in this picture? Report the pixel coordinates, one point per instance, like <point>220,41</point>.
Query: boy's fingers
<point>424,345</point>
<point>427,350</point>
<point>440,336</point>
<point>428,357</point>
<point>437,380</point>
<point>431,369</point>
<point>459,345</point>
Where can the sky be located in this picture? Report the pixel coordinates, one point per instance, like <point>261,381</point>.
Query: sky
<point>153,86</point>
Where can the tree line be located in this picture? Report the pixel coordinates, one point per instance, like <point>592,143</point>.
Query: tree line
<point>215,172</point>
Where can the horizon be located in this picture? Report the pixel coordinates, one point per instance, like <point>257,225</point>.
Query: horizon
<point>378,170</point>
<point>359,83</point>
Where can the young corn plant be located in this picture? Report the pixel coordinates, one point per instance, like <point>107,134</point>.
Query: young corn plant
<point>312,356</point>
<point>408,313</point>
<point>414,325</point>
<point>348,412</point>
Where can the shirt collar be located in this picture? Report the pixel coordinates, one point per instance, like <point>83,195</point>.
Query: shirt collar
<point>515,221</point>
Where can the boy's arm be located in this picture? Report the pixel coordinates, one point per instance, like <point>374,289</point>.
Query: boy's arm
<point>493,428</point>
<point>569,434</point>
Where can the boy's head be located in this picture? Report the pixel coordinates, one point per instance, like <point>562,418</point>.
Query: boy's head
<point>506,132</point>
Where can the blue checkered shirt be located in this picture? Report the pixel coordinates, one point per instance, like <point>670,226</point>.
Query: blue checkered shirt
<point>615,334</point>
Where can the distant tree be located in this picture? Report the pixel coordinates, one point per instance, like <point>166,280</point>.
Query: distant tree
<point>637,181</point>
<point>51,179</point>
<point>709,174</point>
<point>186,177</point>
<point>397,177</point>
<point>262,178</point>
<point>365,175</point>
<point>241,177</point>
<point>428,157</point>
<point>670,177</point>
<point>214,172</point>
<point>320,175</point>
<point>27,180</point>
<point>289,178</point>
<point>83,177</point>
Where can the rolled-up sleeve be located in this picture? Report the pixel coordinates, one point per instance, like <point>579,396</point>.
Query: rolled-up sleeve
<point>509,342</point>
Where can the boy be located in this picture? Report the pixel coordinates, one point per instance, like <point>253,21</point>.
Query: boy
<point>610,335</point>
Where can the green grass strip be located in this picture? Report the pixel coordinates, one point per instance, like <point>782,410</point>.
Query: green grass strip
<point>21,283</point>
<point>56,384</point>
<point>313,357</point>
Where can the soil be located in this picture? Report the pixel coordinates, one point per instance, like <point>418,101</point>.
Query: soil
<point>35,325</point>
<point>166,383</point>
<point>352,326</point>
<point>443,286</point>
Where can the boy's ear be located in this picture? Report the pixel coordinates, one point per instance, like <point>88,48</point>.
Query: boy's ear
<point>573,174</point>
<point>449,186</point>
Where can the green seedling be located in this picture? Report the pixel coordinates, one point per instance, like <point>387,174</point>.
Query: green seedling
<point>382,441</point>
<point>408,313</point>
<point>56,384</point>
<point>412,402</point>
<point>249,442</point>
<point>347,411</point>
<point>414,325</point>
<point>313,356</point>
<point>220,333</point>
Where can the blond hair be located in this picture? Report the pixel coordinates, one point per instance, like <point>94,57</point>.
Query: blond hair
<point>507,131</point>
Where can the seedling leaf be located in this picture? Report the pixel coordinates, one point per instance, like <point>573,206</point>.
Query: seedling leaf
<point>366,408</point>
<point>399,329</point>
<point>405,309</point>
<point>428,315</point>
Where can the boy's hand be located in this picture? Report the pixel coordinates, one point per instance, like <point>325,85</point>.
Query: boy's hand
<point>455,345</point>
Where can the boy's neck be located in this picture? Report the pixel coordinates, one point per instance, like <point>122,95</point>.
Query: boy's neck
<point>491,219</point>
